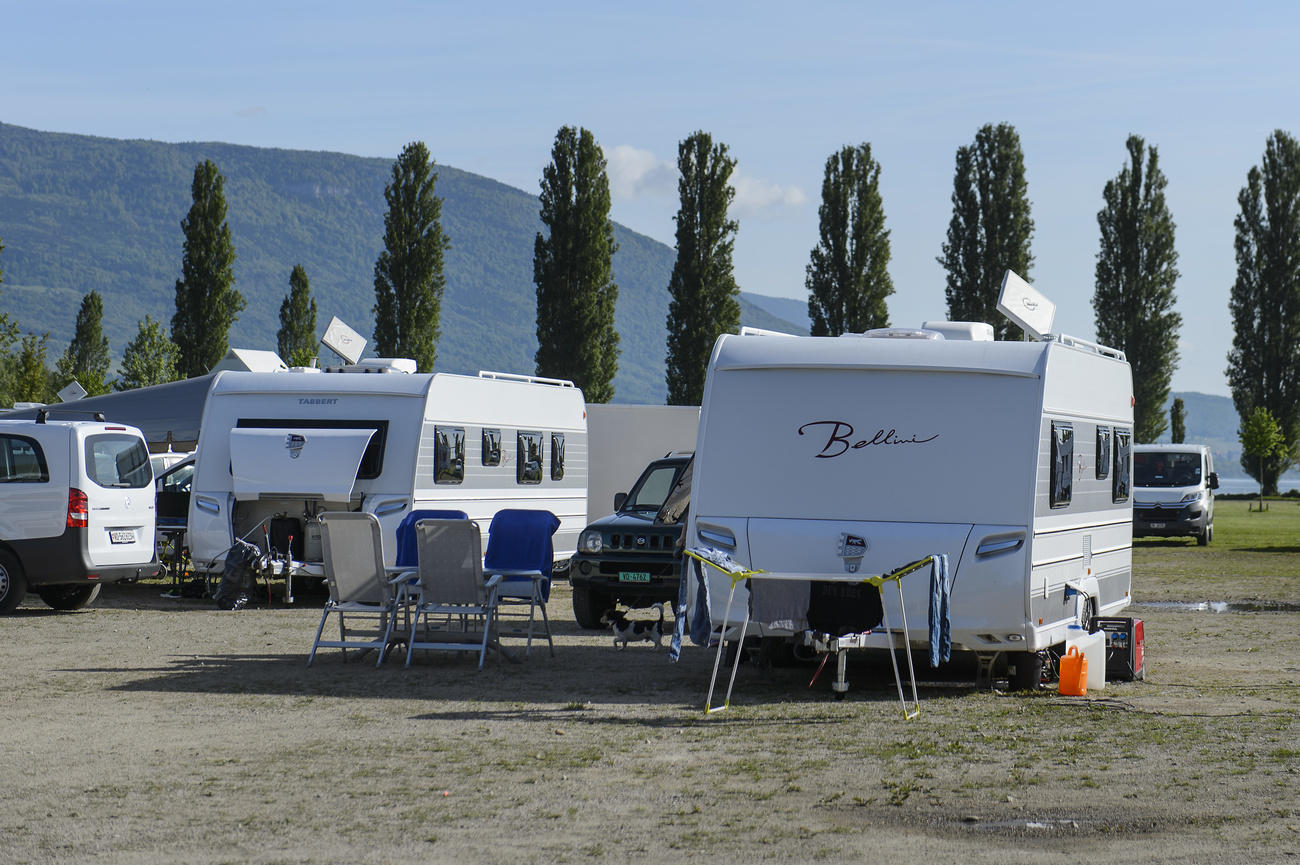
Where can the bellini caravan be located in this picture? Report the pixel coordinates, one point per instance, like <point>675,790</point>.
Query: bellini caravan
<point>863,453</point>
<point>278,449</point>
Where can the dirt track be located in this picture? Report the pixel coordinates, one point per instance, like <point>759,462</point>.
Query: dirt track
<point>148,730</point>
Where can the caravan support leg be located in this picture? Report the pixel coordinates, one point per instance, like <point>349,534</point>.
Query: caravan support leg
<point>984,674</point>
<point>840,686</point>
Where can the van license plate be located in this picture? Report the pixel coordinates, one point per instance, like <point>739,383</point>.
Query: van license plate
<point>633,577</point>
<point>121,536</point>
<point>1157,525</point>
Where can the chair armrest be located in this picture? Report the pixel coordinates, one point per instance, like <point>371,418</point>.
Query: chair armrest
<point>532,574</point>
<point>492,581</point>
<point>400,576</point>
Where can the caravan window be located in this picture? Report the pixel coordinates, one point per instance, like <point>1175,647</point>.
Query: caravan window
<point>491,447</point>
<point>1103,452</point>
<point>557,456</point>
<point>1062,463</point>
<point>528,468</point>
<point>1119,488</point>
<point>372,461</point>
<point>21,461</point>
<point>448,454</point>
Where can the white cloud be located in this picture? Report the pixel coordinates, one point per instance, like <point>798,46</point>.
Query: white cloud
<point>637,173</point>
<point>634,173</point>
<point>754,195</point>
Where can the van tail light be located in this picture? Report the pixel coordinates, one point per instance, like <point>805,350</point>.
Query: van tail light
<point>78,509</point>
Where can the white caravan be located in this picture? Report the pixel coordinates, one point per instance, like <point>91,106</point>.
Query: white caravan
<point>855,454</point>
<point>277,449</point>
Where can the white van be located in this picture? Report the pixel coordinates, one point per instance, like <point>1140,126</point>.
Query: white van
<point>1173,491</point>
<point>76,509</point>
<point>854,454</point>
<point>278,449</point>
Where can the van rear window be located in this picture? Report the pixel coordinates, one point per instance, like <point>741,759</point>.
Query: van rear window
<point>118,461</point>
<point>21,461</point>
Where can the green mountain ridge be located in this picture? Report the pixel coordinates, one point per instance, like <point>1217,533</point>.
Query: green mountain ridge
<point>81,213</point>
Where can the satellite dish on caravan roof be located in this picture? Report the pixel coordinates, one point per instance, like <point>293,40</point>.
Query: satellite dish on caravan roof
<point>343,341</point>
<point>72,392</point>
<point>1025,307</point>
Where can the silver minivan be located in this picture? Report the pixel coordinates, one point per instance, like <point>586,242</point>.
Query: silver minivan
<point>76,509</point>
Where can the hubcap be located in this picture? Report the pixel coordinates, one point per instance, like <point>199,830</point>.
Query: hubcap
<point>4,581</point>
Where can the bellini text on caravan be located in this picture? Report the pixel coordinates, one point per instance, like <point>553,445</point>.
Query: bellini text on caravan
<point>840,438</point>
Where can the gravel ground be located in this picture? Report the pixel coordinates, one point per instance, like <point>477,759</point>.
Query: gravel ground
<point>150,730</point>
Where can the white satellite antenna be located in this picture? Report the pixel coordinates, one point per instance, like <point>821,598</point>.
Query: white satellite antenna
<point>343,341</point>
<point>1025,306</point>
<point>72,392</point>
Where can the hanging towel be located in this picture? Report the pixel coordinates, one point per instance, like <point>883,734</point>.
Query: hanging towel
<point>701,626</point>
<point>940,621</point>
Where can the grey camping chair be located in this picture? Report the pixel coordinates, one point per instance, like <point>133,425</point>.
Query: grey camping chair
<point>360,590</point>
<point>455,609</point>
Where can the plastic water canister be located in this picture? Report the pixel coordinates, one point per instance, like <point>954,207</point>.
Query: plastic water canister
<point>1074,673</point>
<point>1093,647</point>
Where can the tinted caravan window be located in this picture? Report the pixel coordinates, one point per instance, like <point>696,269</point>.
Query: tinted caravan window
<point>557,456</point>
<point>448,455</point>
<point>528,468</point>
<point>1062,463</point>
<point>1103,452</point>
<point>22,461</point>
<point>491,447</point>
<point>372,461</point>
<point>1122,480</point>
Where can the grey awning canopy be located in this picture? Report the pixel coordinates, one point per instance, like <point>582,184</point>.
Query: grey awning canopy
<point>166,413</point>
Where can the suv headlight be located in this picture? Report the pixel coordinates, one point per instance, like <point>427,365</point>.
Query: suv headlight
<point>589,542</point>
<point>1192,497</point>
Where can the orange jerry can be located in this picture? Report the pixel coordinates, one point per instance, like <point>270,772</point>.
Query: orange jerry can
<point>1074,674</point>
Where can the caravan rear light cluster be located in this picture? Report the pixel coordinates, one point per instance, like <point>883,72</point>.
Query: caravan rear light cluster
<point>78,509</point>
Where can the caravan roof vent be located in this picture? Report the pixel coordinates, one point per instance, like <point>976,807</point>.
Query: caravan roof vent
<point>898,333</point>
<point>974,331</point>
<point>377,364</point>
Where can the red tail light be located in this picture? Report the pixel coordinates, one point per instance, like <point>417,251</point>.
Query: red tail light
<point>78,509</point>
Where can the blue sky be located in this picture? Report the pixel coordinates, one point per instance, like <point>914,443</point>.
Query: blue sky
<point>783,85</point>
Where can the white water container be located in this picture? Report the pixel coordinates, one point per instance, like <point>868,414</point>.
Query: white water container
<point>1093,647</point>
<point>311,547</point>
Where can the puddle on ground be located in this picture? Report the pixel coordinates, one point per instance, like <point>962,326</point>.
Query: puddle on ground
<point>1031,825</point>
<point>1222,606</point>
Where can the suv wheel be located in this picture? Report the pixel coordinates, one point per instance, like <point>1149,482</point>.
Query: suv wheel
<point>69,597</point>
<point>13,585</point>
<point>588,607</point>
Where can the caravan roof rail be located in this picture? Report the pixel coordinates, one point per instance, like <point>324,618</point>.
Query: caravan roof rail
<point>42,414</point>
<point>532,379</point>
<point>1076,342</point>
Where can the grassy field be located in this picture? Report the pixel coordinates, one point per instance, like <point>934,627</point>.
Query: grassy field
<point>1255,555</point>
<point>156,730</point>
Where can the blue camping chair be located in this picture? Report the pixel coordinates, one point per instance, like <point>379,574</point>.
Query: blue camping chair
<point>519,550</point>
<point>407,543</point>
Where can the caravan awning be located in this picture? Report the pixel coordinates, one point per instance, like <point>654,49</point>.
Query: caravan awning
<point>311,463</point>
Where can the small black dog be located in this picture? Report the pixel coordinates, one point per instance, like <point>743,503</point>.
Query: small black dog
<point>632,630</point>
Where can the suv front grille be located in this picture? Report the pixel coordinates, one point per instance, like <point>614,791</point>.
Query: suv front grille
<point>643,542</point>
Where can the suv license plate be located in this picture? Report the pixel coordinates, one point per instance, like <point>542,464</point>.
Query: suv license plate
<point>1157,525</point>
<point>633,577</point>
<point>121,536</point>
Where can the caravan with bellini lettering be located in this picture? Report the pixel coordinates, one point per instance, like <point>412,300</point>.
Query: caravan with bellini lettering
<point>866,452</point>
<point>278,449</point>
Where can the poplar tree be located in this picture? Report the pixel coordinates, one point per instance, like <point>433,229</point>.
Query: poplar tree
<point>990,229</point>
<point>573,268</point>
<point>296,339</point>
<point>847,276</point>
<point>207,303</point>
<point>148,359</point>
<point>409,280</point>
<point>702,287</point>
<point>1177,421</point>
<point>32,380</point>
<point>87,359</point>
<point>1136,271</point>
<point>1264,365</point>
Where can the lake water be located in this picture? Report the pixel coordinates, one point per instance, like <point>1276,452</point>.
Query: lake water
<point>1250,485</point>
